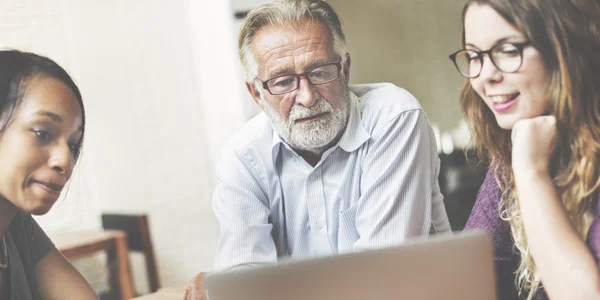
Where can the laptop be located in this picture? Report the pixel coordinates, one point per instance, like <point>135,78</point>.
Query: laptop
<point>458,267</point>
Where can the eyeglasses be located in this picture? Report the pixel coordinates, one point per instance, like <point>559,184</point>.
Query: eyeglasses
<point>316,76</point>
<point>506,57</point>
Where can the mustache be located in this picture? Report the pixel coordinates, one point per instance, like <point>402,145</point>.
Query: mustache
<point>300,112</point>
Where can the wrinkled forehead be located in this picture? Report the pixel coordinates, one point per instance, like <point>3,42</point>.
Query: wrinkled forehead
<point>291,46</point>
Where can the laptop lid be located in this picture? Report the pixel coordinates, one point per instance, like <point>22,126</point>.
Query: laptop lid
<point>458,267</point>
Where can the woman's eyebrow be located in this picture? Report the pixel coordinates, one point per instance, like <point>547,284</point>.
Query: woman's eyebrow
<point>51,115</point>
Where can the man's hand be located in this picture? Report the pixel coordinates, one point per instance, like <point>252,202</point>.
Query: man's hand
<point>196,289</point>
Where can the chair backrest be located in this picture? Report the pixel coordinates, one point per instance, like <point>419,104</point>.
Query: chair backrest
<point>138,240</point>
<point>459,183</point>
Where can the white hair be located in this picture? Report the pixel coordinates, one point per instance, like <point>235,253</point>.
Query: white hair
<point>281,13</point>
<point>315,136</point>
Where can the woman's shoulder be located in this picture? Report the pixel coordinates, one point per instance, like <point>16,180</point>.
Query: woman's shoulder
<point>21,222</point>
<point>20,230</point>
<point>29,237</point>
<point>22,263</point>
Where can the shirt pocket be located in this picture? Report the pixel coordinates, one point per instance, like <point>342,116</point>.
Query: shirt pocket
<point>347,233</point>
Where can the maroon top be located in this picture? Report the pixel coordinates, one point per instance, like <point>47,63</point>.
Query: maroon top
<point>485,216</point>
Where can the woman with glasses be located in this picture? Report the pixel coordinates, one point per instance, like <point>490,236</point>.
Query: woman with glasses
<point>41,130</point>
<point>532,101</point>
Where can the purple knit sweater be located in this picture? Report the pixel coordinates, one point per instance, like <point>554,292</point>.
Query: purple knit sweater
<point>485,216</point>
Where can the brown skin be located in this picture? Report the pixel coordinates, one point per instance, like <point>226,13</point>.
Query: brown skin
<point>37,159</point>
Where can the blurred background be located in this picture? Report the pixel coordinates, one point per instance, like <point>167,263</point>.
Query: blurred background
<point>164,89</point>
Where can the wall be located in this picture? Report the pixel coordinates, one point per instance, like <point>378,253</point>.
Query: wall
<point>407,42</point>
<point>158,113</point>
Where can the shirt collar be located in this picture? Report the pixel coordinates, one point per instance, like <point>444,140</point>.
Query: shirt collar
<point>276,143</point>
<point>354,135</point>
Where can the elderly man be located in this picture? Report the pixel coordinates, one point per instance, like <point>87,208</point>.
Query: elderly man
<point>326,168</point>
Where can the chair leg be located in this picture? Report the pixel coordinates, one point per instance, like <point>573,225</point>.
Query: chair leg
<point>120,278</point>
<point>112,262</point>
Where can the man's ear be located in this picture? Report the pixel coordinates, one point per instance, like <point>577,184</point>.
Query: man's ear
<point>254,92</point>
<point>347,68</point>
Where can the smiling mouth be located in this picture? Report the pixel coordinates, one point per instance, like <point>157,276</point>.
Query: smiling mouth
<point>51,187</point>
<point>311,118</point>
<point>499,99</point>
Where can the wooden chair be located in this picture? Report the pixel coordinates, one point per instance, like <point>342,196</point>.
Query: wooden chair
<point>138,240</point>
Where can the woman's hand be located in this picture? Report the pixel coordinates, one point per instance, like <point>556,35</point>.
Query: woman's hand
<point>566,266</point>
<point>533,141</point>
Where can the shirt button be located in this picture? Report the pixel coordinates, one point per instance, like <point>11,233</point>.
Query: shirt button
<point>312,177</point>
<point>318,227</point>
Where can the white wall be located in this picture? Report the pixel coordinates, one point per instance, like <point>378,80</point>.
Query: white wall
<point>157,115</point>
<point>227,105</point>
<point>245,5</point>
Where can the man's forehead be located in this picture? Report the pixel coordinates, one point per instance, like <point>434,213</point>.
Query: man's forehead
<point>275,45</point>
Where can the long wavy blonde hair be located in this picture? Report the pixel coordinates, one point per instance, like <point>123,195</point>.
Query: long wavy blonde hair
<point>567,34</point>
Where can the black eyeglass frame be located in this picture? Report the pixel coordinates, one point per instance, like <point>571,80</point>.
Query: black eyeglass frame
<point>480,55</point>
<point>305,75</point>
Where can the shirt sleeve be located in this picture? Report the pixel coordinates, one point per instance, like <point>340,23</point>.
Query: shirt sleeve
<point>40,243</point>
<point>397,183</point>
<point>242,209</point>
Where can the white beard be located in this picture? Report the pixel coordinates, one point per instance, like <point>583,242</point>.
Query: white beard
<point>316,135</point>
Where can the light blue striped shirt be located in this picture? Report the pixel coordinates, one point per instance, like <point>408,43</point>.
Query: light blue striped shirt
<point>377,187</point>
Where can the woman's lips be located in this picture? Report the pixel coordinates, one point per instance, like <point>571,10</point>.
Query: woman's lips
<point>502,103</point>
<point>52,190</point>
